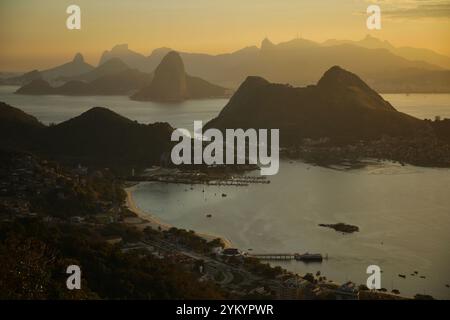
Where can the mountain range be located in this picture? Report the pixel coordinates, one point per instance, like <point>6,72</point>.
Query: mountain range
<point>340,110</point>
<point>70,69</point>
<point>124,82</point>
<point>301,61</point>
<point>113,77</point>
<point>386,68</point>
<point>410,53</point>
<point>168,83</point>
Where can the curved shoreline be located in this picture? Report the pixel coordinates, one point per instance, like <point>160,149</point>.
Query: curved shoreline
<point>155,223</point>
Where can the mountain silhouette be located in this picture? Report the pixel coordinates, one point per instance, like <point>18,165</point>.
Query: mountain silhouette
<point>131,58</point>
<point>386,68</point>
<point>301,61</point>
<point>17,128</point>
<point>340,107</point>
<point>349,89</point>
<point>67,70</point>
<point>36,87</point>
<point>102,136</point>
<point>410,53</point>
<point>24,78</point>
<point>73,68</point>
<point>122,83</point>
<point>109,67</point>
<point>171,83</point>
<point>98,137</point>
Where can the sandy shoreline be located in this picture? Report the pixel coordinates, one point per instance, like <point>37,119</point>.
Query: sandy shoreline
<point>155,223</point>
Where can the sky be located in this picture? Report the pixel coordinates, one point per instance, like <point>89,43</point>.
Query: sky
<point>33,33</point>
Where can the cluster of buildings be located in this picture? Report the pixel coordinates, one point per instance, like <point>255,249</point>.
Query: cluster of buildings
<point>26,180</point>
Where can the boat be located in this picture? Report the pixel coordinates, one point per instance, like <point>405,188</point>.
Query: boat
<point>309,257</point>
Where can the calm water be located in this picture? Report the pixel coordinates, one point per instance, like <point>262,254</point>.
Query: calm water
<point>56,109</point>
<point>403,212</point>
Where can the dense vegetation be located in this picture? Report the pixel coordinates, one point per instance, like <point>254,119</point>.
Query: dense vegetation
<point>34,257</point>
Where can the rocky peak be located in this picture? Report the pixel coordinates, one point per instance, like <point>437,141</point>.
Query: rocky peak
<point>120,48</point>
<point>78,58</point>
<point>338,77</point>
<point>266,44</point>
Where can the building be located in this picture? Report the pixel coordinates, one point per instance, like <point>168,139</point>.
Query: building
<point>231,252</point>
<point>347,291</point>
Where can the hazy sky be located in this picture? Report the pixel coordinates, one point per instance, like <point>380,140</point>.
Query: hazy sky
<point>33,33</point>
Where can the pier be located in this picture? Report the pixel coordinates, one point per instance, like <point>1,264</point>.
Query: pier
<point>272,256</point>
<point>200,178</point>
<point>306,257</point>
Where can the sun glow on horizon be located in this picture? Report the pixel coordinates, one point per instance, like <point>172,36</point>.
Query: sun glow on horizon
<point>33,33</point>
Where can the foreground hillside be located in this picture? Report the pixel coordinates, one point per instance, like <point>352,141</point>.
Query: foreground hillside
<point>52,217</point>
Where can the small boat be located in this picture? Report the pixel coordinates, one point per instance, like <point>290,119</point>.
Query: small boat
<point>309,257</point>
<point>209,215</point>
<point>402,276</point>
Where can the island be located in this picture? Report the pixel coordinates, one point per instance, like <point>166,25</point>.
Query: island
<point>341,227</point>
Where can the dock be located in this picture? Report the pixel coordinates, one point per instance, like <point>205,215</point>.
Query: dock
<point>196,178</point>
<point>272,256</point>
<point>306,257</point>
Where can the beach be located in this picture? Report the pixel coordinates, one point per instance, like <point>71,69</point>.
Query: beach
<point>155,223</point>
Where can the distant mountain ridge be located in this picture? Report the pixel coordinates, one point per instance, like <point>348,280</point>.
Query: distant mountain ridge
<point>169,83</point>
<point>109,67</point>
<point>302,61</point>
<point>386,68</point>
<point>133,59</point>
<point>410,53</point>
<point>70,69</point>
<point>113,77</point>
<point>73,68</point>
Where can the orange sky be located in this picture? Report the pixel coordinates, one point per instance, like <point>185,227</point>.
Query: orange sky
<point>33,32</point>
